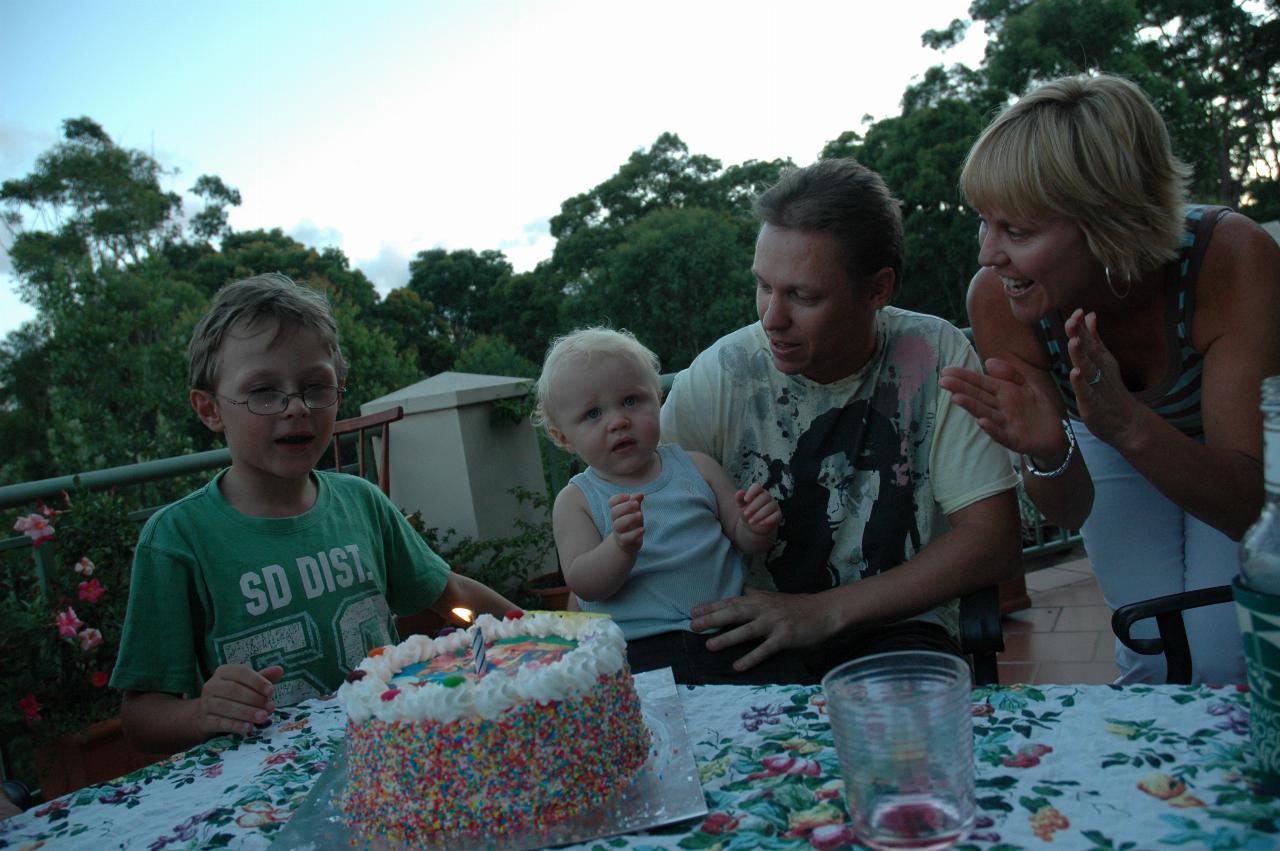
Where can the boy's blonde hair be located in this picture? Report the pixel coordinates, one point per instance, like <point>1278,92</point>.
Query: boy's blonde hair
<point>1092,149</point>
<point>597,341</point>
<point>262,298</point>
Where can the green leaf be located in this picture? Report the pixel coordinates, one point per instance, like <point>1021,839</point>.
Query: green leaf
<point>996,803</point>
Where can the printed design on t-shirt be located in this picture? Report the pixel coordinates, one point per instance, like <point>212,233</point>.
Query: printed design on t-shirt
<point>274,586</point>
<point>824,486</point>
<point>317,614</point>
<point>848,490</point>
<point>292,642</point>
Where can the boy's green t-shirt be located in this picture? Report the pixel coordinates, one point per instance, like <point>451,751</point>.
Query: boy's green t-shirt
<point>313,593</point>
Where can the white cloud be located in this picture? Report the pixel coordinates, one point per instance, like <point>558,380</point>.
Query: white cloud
<point>309,233</point>
<point>388,270</point>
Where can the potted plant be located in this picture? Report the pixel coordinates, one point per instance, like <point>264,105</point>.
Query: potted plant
<point>62,607</point>
<point>504,563</point>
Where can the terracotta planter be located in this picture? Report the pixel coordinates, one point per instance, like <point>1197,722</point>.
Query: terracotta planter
<point>95,755</point>
<point>552,593</point>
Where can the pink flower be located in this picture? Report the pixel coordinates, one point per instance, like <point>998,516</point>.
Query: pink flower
<point>718,823</point>
<point>84,567</point>
<point>30,708</point>
<point>68,623</point>
<point>792,765</point>
<point>99,679</point>
<point>35,527</point>
<point>829,836</point>
<point>92,590</point>
<point>1028,756</point>
<point>89,639</point>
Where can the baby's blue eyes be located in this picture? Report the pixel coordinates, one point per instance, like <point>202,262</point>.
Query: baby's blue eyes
<point>630,402</point>
<point>593,414</point>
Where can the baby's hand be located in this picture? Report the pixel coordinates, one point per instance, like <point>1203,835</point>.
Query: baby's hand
<point>236,699</point>
<point>628,520</point>
<point>759,510</point>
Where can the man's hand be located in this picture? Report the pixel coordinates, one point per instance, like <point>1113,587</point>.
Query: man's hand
<point>628,521</point>
<point>236,698</point>
<point>779,621</point>
<point>760,511</point>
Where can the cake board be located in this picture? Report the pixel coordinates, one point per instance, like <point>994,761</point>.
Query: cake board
<point>665,791</point>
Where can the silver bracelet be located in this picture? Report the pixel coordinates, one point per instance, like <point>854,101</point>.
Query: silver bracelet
<point>1066,462</point>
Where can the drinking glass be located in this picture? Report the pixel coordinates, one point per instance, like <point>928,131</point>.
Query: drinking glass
<point>904,738</point>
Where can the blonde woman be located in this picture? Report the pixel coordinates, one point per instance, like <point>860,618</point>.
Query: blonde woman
<point>1125,335</point>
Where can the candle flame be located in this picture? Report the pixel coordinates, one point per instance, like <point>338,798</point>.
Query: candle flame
<point>462,614</point>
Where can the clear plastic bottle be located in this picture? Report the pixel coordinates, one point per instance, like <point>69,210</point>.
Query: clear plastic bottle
<point>1260,547</point>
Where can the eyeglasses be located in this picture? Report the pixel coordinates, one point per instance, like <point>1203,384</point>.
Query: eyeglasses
<point>267,403</point>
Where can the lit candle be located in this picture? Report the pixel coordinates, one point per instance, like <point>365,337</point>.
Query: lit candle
<point>463,614</point>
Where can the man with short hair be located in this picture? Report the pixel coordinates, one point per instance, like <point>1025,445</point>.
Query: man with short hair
<point>894,502</point>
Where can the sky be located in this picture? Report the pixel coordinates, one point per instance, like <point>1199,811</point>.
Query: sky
<point>389,128</point>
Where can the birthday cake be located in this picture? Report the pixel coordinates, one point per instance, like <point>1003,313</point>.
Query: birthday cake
<point>509,726</point>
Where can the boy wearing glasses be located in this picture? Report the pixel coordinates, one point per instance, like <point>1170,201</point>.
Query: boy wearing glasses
<point>268,585</point>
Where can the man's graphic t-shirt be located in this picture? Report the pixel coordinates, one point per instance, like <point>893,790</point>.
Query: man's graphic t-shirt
<point>865,469</point>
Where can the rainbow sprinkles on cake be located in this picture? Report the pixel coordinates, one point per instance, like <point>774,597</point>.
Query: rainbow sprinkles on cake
<point>547,728</point>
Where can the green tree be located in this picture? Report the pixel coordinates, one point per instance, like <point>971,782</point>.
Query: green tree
<point>99,378</point>
<point>677,279</point>
<point>495,356</point>
<point>920,153</point>
<point>89,225</point>
<point>417,330</point>
<point>527,309</point>
<point>460,284</point>
<point>211,222</point>
<point>663,247</point>
<point>665,175</point>
<point>246,253</point>
<point>1210,66</point>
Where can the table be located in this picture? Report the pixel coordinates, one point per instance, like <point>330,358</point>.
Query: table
<point>1058,766</point>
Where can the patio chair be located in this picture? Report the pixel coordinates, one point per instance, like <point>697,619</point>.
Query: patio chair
<point>1167,611</point>
<point>981,636</point>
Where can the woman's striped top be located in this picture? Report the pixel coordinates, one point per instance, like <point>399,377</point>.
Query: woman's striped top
<point>1177,397</point>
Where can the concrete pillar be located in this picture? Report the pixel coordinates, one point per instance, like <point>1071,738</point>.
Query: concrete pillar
<point>455,462</point>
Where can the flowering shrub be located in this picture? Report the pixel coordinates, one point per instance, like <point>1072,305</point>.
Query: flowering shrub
<point>61,640</point>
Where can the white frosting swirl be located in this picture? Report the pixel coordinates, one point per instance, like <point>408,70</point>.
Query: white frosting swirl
<point>601,651</point>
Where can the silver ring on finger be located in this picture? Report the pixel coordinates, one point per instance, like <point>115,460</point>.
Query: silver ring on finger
<point>1097,376</point>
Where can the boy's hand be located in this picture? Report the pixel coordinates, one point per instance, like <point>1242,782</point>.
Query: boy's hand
<point>628,521</point>
<point>759,510</point>
<point>236,699</point>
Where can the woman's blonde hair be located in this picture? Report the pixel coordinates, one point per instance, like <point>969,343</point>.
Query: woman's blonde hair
<point>591,342</point>
<point>1092,149</point>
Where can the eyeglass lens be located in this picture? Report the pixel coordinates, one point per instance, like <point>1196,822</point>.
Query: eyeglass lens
<point>275,401</point>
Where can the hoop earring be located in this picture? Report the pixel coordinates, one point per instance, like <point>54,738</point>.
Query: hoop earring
<point>1128,289</point>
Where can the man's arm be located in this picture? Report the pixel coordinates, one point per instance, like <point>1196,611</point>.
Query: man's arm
<point>983,547</point>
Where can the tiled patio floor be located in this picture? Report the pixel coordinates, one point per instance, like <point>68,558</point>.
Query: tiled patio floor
<point>1065,636</point>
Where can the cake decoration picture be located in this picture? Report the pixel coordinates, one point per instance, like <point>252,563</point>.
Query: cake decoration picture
<point>509,726</point>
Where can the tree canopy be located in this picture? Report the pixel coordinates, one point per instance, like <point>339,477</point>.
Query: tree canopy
<point>118,272</point>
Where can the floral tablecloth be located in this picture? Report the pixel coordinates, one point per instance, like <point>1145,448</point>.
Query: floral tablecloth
<point>1058,766</point>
